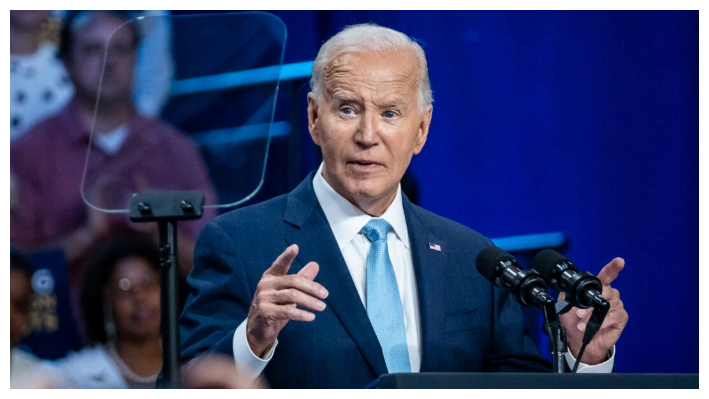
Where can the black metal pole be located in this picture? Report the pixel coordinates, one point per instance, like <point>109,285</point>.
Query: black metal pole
<point>169,299</point>
<point>166,208</point>
<point>556,333</point>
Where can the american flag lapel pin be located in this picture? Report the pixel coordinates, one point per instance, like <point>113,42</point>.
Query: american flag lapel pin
<point>434,247</point>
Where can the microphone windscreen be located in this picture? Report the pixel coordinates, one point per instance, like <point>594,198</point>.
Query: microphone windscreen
<point>545,261</point>
<point>488,258</point>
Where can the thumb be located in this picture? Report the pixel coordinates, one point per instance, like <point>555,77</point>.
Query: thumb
<point>611,271</point>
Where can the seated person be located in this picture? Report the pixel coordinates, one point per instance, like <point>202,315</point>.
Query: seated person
<point>20,301</point>
<point>130,153</point>
<point>25,370</point>
<point>344,279</point>
<point>120,307</point>
<point>39,84</point>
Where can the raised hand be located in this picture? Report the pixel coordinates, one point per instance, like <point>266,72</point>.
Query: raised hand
<point>276,299</point>
<point>575,320</point>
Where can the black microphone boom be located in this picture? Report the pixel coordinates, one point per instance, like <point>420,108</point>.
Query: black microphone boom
<point>582,289</point>
<point>529,289</point>
<point>503,270</point>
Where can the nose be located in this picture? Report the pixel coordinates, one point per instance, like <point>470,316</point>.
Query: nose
<point>111,57</point>
<point>368,130</point>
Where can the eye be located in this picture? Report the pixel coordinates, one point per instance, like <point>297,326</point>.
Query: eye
<point>389,114</point>
<point>347,111</point>
<point>121,49</point>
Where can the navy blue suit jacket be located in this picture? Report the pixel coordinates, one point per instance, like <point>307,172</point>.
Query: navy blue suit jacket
<point>466,324</point>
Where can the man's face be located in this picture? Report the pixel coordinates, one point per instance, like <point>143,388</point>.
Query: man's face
<point>86,58</point>
<point>368,124</point>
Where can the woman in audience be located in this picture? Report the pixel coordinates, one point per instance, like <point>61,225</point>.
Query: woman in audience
<point>39,84</point>
<point>120,304</point>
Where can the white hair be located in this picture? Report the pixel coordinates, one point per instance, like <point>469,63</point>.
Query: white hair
<point>370,37</point>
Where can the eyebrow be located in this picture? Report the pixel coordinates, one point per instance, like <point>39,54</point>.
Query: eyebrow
<point>389,103</point>
<point>396,102</point>
<point>342,97</point>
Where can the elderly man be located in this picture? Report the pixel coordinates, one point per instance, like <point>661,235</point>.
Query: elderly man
<point>364,282</point>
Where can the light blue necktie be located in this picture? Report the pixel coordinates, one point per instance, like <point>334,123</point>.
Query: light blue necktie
<point>383,301</point>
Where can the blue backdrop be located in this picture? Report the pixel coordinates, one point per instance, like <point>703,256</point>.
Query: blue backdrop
<point>583,122</point>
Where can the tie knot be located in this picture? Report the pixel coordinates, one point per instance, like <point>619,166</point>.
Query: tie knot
<point>376,229</point>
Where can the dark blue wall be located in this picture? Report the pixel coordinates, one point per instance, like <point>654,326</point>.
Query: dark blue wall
<point>584,122</point>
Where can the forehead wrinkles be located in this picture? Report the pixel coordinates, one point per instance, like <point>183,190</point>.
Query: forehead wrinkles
<point>349,72</point>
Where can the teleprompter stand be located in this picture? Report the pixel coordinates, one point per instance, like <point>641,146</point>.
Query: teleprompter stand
<point>167,208</point>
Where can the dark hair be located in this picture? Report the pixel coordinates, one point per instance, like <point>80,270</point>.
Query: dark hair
<point>19,263</point>
<point>66,35</point>
<point>99,274</point>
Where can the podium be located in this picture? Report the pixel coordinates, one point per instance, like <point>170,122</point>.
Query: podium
<point>537,381</point>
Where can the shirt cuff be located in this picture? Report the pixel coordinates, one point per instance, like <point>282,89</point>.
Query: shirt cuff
<point>248,363</point>
<point>605,367</point>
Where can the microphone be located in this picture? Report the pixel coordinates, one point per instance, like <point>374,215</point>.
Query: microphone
<point>582,289</point>
<point>503,270</point>
<point>529,289</point>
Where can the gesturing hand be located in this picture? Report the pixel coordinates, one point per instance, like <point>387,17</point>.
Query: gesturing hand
<point>575,320</point>
<point>276,298</point>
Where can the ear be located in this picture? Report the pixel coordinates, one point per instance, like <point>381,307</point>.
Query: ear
<point>422,133</point>
<point>313,118</point>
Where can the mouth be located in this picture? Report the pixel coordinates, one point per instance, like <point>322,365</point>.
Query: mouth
<point>365,165</point>
<point>143,316</point>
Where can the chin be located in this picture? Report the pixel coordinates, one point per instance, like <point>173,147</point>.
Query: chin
<point>145,334</point>
<point>362,190</point>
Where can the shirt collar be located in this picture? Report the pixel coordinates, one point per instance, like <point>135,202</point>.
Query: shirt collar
<point>346,220</point>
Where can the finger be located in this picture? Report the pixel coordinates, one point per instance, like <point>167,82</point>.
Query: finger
<point>583,313</point>
<point>282,263</point>
<point>610,293</point>
<point>293,296</point>
<point>309,271</point>
<point>615,304</point>
<point>302,284</point>
<point>562,296</point>
<point>580,325</point>
<point>616,320</point>
<point>284,312</point>
<point>611,270</point>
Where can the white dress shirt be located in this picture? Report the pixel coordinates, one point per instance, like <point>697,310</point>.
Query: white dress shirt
<point>346,222</point>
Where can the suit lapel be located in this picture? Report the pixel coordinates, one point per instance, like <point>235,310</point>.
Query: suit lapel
<point>317,243</point>
<point>428,267</point>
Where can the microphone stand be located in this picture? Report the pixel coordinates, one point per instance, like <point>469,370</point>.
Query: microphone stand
<point>555,331</point>
<point>600,309</point>
<point>167,208</point>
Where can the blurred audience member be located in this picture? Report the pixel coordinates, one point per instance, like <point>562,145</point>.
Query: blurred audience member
<point>39,85</point>
<point>129,153</point>
<point>25,371</point>
<point>120,304</point>
<point>155,66</point>
<point>20,303</point>
<point>215,370</point>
